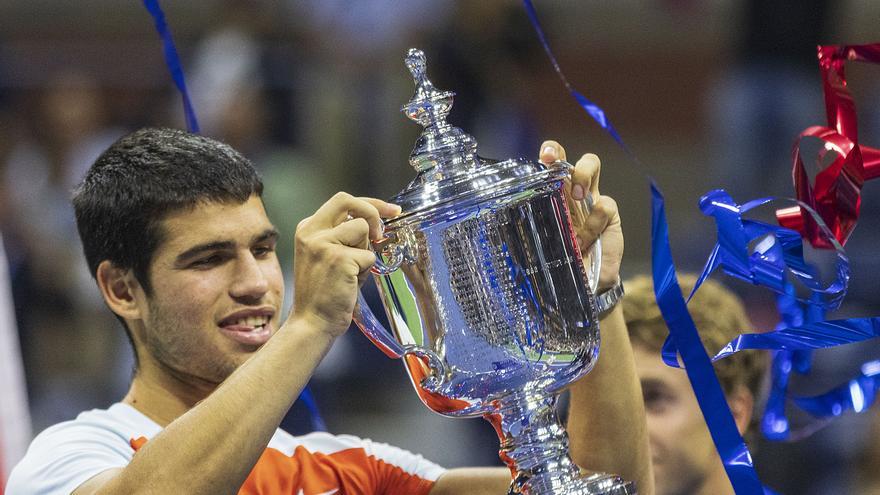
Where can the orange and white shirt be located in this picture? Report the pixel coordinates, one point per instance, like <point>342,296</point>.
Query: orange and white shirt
<point>64,456</point>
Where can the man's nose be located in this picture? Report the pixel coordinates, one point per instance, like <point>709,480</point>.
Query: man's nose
<point>250,281</point>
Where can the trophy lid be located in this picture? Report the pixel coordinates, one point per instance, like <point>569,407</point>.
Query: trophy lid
<point>449,170</point>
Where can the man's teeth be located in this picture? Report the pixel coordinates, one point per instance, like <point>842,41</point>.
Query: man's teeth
<point>252,321</point>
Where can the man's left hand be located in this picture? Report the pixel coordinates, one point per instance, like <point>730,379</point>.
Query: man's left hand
<point>604,219</point>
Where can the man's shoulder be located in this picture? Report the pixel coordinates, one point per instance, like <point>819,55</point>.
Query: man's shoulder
<point>66,454</point>
<point>119,422</point>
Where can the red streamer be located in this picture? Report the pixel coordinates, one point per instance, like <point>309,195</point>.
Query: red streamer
<point>836,192</point>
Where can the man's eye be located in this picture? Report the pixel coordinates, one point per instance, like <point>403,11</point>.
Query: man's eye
<point>261,251</point>
<point>207,261</point>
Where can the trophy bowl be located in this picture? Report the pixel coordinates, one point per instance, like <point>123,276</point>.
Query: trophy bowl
<point>488,300</point>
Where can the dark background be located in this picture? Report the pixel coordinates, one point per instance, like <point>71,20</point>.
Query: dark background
<point>706,93</point>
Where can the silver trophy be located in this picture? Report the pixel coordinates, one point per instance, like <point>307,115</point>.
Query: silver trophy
<point>487,297</point>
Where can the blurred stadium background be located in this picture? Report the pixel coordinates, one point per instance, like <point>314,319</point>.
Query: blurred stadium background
<point>707,93</point>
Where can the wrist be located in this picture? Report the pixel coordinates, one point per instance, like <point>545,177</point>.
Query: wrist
<point>314,325</point>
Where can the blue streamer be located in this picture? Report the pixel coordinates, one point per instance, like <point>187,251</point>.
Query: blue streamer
<point>779,253</point>
<point>774,421</point>
<point>810,336</point>
<point>729,443</point>
<point>802,328</point>
<point>591,108</point>
<point>312,405</point>
<point>857,394</point>
<point>173,62</point>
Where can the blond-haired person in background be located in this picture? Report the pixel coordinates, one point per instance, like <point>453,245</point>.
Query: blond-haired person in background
<point>683,455</point>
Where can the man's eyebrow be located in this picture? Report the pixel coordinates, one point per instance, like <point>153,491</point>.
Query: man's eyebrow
<point>270,234</point>
<point>202,248</point>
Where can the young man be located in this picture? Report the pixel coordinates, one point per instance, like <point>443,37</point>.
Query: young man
<point>175,234</point>
<point>683,455</point>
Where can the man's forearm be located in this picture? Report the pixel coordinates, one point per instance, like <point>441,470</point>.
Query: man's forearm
<point>606,425</point>
<point>213,447</point>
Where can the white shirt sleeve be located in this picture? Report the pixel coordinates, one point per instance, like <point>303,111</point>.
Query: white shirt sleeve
<point>66,455</point>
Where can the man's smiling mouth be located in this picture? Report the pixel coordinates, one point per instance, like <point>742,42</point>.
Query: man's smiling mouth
<point>250,327</point>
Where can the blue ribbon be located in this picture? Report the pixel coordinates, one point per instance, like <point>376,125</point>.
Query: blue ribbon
<point>857,394</point>
<point>774,422</point>
<point>173,62</point>
<point>591,108</point>
<point>802,328</point>
<point>778,253</point>
<point>683,333</point>
<point>312,405</point>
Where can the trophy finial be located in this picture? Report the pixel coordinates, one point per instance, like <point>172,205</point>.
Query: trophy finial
<point>440,143</point>
<point>428,106</point>
<point>415,62</point>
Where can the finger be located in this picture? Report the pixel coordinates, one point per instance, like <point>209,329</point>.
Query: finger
<point>603,214</point>
<point>352,233</point>
<point>585,177</point>
<point>343,205</point>
<point>551,151</point>
<point>363,258</point>
<point>386,209</point>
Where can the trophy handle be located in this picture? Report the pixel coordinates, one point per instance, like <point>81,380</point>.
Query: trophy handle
<point>398,255</point>
<point>363,316</point>
<point>374,330</point>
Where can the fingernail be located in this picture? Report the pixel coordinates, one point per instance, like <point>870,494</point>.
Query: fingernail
<point>549,150</point>
<point>577,192</point>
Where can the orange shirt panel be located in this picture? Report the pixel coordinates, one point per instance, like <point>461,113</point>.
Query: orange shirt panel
<point>350,471</point>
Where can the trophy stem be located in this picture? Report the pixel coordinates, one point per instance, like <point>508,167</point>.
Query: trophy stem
<point>534,445</point>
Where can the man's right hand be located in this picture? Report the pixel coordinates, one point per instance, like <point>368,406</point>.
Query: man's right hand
<point>331,254</point>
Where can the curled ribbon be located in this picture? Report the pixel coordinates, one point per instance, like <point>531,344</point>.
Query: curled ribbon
<point>778,252</point>
<point>855,395</point>
<point>774,422</point>
<point>836,194</point>
<point>803,328</point>
<point>825,215</point>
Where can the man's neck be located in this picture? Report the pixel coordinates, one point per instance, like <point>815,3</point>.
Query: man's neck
<point>163,397</point>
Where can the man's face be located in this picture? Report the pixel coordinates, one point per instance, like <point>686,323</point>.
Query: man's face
<point>683,454</point>
<point>217,289</point>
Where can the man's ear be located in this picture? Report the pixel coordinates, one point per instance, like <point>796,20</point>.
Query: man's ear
<point>120,289</point>
<point>742,404</point>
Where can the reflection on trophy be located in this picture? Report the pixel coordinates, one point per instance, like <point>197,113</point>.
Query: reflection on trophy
<point>487,296</point>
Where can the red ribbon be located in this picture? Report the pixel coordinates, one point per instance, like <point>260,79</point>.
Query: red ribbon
<point>836,193</point>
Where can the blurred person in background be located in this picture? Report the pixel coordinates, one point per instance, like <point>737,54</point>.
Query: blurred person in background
<point>65,333</point>
<point>683,455</point>
<point>183,253</point>
<point>768,95</point>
